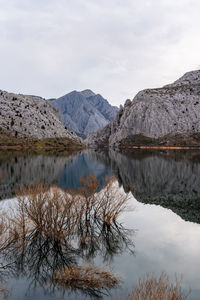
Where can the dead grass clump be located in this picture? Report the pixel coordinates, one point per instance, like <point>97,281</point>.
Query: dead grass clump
<point>79,277</point>
<point>151,288</point>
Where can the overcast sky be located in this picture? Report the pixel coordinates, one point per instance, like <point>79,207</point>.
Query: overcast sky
<point>114,47</point>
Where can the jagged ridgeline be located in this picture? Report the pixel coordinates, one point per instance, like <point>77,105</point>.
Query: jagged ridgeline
<point>167,116</point>
<point>30,117</point>
<point>84,112</point>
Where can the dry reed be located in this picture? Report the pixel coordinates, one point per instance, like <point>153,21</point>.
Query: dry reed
<point>89,276</point>
<point>152,288</point>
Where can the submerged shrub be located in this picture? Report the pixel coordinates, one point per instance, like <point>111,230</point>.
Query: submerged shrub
<point>50,229</point>
<point>58,213</point>
<point>86,278</point>
<point>152,288</point>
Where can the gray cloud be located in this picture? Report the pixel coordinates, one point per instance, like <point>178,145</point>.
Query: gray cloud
<point>114,47</point>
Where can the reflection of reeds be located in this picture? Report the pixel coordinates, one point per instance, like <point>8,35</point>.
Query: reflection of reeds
<point>49,229</point>
<point>152,288</point>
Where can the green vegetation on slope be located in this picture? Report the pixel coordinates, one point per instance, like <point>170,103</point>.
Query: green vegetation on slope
<point>8,141</point>
<point>178,140</point>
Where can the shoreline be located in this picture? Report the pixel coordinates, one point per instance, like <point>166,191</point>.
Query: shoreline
<point>162,147</point>
<point>34,148</point>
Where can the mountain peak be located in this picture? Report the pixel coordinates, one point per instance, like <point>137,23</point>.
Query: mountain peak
<point>87,93</point>
<point>85,112</point>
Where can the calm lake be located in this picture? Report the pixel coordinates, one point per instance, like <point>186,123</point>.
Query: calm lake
<point>159,230</point>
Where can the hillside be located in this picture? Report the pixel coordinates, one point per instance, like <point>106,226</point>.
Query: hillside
<point>84,112</point>
<point>29,117</point>
<point>167,116</point>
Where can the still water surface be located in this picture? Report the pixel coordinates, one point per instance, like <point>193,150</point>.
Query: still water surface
<point>160,230</point>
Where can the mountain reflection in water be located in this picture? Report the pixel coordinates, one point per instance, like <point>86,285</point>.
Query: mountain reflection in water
<point>20,170</point>
<point>168,179</point>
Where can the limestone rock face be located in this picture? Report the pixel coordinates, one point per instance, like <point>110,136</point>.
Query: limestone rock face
<point>157,115</point>
<point>32,117</point>
<point>84,112</point>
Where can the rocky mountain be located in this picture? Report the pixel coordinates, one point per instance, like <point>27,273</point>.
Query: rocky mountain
<point>84,112</point>
<point>32,117</point>
<point>162,116</point>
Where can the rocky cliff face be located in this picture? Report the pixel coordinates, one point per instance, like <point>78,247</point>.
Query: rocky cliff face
<point>165,116</point>
<point>84,112</point>
<point>32,117</point>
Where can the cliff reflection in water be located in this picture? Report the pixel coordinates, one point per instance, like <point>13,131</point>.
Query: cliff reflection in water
<point>19,170</point>
<point>170,179</point>
<point>50,231</point>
